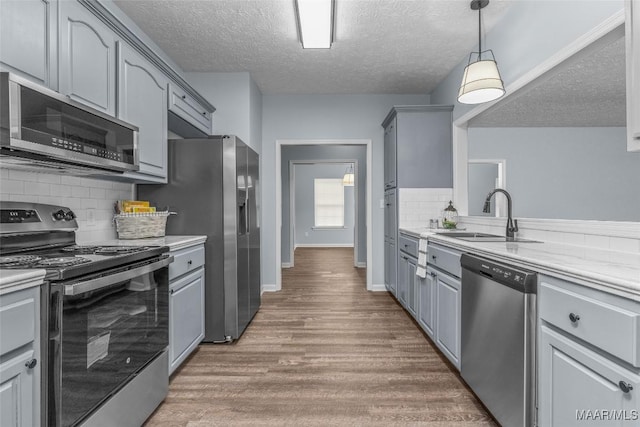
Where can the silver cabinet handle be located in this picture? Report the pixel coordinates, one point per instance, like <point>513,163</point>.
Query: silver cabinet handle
<point>33,362</point>
<point>574,317</point>
<point>625,387</point>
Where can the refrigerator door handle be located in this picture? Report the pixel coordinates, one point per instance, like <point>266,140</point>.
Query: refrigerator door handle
<point>242,218</point>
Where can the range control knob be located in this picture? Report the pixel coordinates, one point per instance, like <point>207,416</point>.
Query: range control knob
<point>59,215</point>
<point>69,215</point>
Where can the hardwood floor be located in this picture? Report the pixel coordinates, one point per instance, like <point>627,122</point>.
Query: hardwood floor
<point>322,352</point>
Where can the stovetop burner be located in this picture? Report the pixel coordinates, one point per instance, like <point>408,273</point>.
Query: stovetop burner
<point>18,260</point>
<point>78,249</point>
<point>103,250</point>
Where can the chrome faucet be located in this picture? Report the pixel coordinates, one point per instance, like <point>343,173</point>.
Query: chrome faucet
<point>512,224</point>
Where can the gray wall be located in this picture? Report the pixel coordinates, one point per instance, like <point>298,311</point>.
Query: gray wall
<point>326,152</point>
<point>325,117</point>
<point>238,103</point>
<point>305,233</point>
<point>529,33</point>
<point>565,173</point>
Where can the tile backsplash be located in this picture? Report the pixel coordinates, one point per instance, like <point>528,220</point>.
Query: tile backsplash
<point>416,206</point>
<point>90,199</point>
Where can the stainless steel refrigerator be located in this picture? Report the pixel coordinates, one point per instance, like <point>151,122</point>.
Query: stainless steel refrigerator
<point>213,186</point>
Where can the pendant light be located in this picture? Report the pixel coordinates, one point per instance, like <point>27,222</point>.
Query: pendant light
<point>481,81</point>
<point>349,177</point>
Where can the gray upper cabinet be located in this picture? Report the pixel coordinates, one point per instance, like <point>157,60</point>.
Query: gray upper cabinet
<point>418,147</point>
<point>142,101</point>
<point>188,109</point>
<point>87,58</point>
<point>28,31</point>
<point>390,154</point>
<point>632,34</point>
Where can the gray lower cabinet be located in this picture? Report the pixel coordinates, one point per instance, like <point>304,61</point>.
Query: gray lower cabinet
<point>402,284</point>
<point>407,279</point>
<point>142,101</point>
<point>20,361</point>
<point>28,39</point>
<point>87,58</point>
<point>588,356</point>
<point>390,266</point>
<point>186,304</point>
<point>427,303</point>
<point>448,303</point>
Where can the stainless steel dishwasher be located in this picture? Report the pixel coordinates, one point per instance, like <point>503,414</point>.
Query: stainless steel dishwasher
<point>499,339</point>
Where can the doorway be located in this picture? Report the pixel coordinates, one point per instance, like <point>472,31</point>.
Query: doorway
<point>327,151</point>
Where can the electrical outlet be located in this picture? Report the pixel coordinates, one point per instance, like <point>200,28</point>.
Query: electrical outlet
<point>381,203</point>
<point>306,234</point>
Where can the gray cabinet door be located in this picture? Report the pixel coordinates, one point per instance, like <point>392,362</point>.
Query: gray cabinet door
<point>28,39</point>
<point>390,155</point>
<point>87,58</point>
<point>17,387</point>
<point>426,302</point>
<point>424,149</point>
<point>390,266</point>
<point>142,101</point>
<point>186,317</point>
<point>576,384</point>
<point>412,283</point>
<point>403,277</point>
<point>390,215</point>
<point>448,302</point>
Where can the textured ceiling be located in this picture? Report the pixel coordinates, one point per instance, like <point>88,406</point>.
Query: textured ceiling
<point>588,91</point>
<point>380,46</point>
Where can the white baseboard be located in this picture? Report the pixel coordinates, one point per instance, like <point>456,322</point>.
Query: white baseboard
<point>377,287</point>
<point>361,264</point>
<point>268,287</point>
<point>287,265</point>
<point>323,245</point>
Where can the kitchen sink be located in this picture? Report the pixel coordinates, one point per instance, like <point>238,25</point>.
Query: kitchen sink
<point>485,237</point>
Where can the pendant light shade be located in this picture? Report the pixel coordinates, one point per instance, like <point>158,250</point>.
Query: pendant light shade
<point>349,177</point>
<point>481,81</point>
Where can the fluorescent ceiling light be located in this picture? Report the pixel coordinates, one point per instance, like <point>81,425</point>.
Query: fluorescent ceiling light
<point>315,22</point>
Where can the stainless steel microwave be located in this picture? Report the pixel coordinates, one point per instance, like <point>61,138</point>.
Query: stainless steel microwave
<point>39,126</point>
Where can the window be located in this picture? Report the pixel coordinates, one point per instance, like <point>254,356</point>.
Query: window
<point>328,200</point>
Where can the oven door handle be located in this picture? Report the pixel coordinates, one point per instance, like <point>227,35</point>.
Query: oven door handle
<point>105,281</point>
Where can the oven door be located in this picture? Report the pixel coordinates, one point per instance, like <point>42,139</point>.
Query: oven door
<point>102,332</point>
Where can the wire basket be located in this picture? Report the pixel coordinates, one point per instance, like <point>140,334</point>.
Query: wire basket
<point>141,225</point>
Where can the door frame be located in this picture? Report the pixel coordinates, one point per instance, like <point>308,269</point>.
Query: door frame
<point>368,186</point>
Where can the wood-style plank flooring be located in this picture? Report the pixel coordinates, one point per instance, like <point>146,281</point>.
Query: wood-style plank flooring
<point>322,352</point>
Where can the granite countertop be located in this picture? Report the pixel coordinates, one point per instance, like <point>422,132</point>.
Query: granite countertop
<point>15,280</point>
<point>610,271</point>
<point>173,242</point>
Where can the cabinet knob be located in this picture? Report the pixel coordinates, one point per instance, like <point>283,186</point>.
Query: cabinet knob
<point>184,96</point>
<point>433,257</point>
<point>33,362</point>
<point>574,317</point>
<point>433,274</point>
<point>625,387</point>
<point>204,113</point>
<point>189,262</point>
<point>172,291</point>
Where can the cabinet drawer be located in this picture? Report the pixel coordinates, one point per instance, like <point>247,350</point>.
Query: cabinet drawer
<point>17,321</point>
<point>408,245</point>
<point>609,327</point>
<point>189,109</point>
<point>444,258</point>
<point>186,260</point>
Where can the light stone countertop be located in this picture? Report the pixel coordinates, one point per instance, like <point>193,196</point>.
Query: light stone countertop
<point>173,242</point>
<point>15,280</point>
<point>610,271</point>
